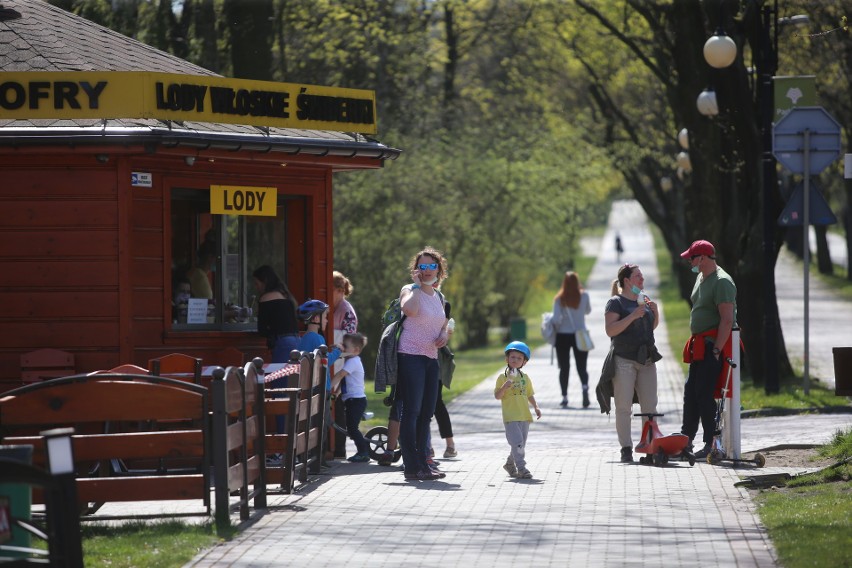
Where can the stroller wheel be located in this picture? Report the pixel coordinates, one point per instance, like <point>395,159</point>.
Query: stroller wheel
<point>378,440</point>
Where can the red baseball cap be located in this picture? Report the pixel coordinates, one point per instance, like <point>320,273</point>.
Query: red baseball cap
<point>698,248</point>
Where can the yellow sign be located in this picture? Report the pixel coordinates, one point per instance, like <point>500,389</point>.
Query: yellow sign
<point>166,96</point>
<point>239,200</point>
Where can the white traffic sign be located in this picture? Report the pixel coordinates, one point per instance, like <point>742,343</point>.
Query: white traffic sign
<point>823,140</point>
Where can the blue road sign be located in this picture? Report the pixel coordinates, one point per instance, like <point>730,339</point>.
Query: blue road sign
<point>788,139</point>
<point>819,213</point>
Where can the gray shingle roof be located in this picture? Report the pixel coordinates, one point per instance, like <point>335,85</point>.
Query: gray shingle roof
<point>37,36</point>
<point>47,38</point>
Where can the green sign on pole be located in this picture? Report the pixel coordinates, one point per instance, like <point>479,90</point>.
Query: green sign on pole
<point>792,92</point>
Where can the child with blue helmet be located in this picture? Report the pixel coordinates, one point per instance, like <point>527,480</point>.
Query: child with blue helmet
<point>515,391</point>
<point>315,315</point>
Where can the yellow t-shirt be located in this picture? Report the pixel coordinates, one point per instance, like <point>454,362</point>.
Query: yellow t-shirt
<point>516,404</point>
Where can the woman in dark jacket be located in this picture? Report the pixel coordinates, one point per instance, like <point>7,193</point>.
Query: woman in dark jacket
<point>276,314</point>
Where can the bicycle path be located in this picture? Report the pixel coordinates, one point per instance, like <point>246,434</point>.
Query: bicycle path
<point>582,507</point>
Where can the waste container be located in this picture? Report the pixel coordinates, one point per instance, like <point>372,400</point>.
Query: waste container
<point>15,502</point>
<point>517,329</point>
<point>842,371</point>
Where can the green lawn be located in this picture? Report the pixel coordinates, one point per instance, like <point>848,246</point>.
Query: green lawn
<point>810,521</point>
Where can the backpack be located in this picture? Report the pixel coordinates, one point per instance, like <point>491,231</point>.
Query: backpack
<point>392,314</point>
<point>548,331</point>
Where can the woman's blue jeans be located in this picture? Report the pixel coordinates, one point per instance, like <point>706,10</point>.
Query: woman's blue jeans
<point>284,344</point>
<point>417,385</point>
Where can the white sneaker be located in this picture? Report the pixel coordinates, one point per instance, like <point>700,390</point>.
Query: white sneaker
<point>450,452</point>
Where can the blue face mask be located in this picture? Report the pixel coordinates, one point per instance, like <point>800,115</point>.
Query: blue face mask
<point>695,269</point>
<point>636,289</point>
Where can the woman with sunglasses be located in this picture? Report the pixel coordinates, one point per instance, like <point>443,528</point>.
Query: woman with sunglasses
<point>424,331</point>
<point>631,326</point>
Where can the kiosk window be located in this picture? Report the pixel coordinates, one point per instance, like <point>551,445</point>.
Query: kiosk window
<point>213,257</point>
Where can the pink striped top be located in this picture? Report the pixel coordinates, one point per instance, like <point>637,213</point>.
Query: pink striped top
<point>420,332</point>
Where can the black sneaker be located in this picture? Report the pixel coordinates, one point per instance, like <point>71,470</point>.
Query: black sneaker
<point>702,453</point>
<point>626,455</point>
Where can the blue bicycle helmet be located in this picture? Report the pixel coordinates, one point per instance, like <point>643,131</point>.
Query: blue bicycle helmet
<point>520,347</point>
<point>311,308</point>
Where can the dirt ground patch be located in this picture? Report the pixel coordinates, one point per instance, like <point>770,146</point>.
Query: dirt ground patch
<point>798,458</point>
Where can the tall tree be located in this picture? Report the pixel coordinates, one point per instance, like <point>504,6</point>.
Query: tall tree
<point>249,28</point>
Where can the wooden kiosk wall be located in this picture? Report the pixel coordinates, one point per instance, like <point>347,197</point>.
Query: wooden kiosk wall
<point>85,258</point>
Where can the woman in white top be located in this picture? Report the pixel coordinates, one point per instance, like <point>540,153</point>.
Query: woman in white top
<point>570,306</point>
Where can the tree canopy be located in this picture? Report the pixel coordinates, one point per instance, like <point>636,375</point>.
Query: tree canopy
<point>521,119</point>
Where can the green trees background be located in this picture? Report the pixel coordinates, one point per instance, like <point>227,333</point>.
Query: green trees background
<point>520,120</point>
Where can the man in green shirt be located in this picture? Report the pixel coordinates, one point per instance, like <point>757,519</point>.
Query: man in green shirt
<point>710,322</point>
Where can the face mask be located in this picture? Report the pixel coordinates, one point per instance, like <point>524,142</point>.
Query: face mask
<point>430,282</point>
<point>695,269</point>
<point>636,290</point>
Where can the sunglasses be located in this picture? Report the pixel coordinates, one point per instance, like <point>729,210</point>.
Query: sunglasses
<point>431,266</point>
<point>694,256</point>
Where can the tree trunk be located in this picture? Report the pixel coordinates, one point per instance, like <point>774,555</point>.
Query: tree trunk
<point>250,29</point>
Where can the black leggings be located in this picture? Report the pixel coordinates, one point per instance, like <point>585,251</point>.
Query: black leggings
<point>564,344</point>
<point>442,416</point>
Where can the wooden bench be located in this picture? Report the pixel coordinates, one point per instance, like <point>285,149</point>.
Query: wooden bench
<point>302,405</point>
<point>149,438</point>
<point>239,458</point>
<point>45,364</point>
<point>119,418</point>
<point>177,366</point>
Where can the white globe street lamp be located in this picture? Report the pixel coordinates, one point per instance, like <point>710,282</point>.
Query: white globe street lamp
<point>666,183</point>
<point>720,50</point>
<point>683,162</point>
<point>683,138</point>
<point>706,103</point>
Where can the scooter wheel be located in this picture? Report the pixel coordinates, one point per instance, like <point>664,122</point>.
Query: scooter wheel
<point>711,457</point>
<point>759,460</point>
<point>691,460</point>
<point>660,458</point>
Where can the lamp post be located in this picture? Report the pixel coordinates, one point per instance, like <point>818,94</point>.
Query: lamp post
<point>63,518</point>
<point>766,63</point>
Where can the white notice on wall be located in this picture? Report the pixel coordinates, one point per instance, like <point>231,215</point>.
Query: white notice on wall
<point>196,310</point>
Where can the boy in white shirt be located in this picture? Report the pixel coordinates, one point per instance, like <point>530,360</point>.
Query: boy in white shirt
<point>349,382</point>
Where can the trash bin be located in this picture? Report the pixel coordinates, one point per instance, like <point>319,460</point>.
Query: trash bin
<point>15,502</point>
<point>517,329</point>
<point>842,371</point>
